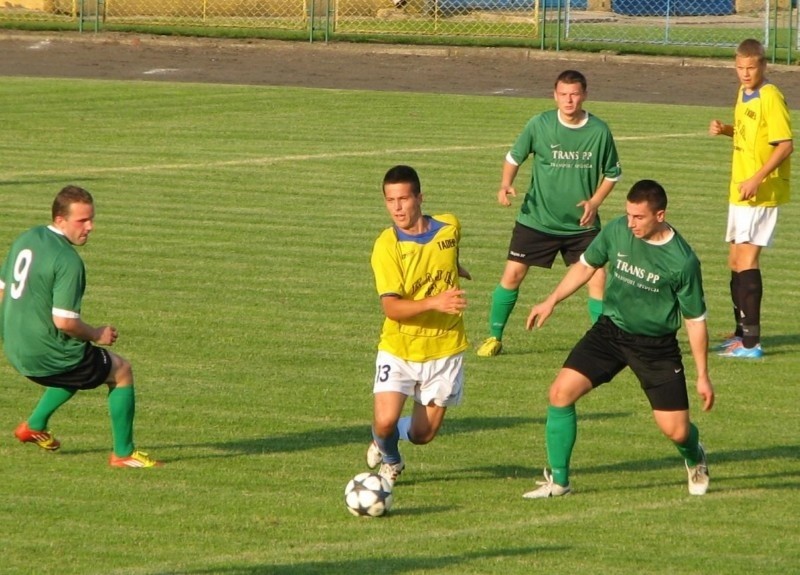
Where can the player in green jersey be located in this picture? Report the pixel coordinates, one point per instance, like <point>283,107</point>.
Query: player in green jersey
<point>422,343</point>
<point>762,148</point>
<point>575,167</point>
<point>42,282</point>
<point>653,279</point>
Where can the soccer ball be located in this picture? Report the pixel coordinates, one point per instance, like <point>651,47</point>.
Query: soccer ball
<point>368,495</point>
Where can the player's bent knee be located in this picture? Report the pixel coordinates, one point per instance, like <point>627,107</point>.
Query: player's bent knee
<point>421,438</point>
<point>121,372</point>
<point>562,395</point>
<point>677,435</point>
<point>384,428</point>
<point>677,432</point>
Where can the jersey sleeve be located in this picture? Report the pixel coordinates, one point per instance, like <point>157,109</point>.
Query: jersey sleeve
<point>386,265</point>
<point>3,275</point>
<point>691,297</point>
<point>597,254</point>
<point>523,146</point>
<point>68,285</point>
<point>779,127</point>
<point>451,220</point>
<point>611,167</point>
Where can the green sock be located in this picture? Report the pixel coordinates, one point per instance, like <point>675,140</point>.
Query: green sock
<point>595,309</point>
<point>53,398</point>
<point>690,449</point>
<point>503,302</point>
<point>560,433</point>
<point>121,407</point>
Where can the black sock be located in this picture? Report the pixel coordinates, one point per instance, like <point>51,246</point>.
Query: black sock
<point>750,290</point>
<point>737,315</point>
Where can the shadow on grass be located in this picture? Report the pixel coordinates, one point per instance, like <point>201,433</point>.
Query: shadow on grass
<point>736,480</point>
<point>358,434</point>
<point>337,436</point>
<point>775,345</point>
<point>372,564</point>
<point>714,458</point>
<point>332,437</point>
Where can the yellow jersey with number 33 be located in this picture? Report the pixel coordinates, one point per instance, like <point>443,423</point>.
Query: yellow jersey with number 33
<point>761,120</point>
<point>414,267</point>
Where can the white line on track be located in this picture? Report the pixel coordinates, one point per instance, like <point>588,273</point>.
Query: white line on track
<point>158,71</point>
<point>271,160</point>
<point>39,45</point>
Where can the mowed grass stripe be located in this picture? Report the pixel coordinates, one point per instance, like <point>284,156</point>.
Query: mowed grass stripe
<point>239,278</point>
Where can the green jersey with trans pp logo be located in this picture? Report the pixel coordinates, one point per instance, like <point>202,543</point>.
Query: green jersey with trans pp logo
<point>649,286</point>
<point>569,162</point>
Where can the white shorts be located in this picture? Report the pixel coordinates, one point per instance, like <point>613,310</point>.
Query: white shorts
<point>440,381</point>
<point>751,225</point>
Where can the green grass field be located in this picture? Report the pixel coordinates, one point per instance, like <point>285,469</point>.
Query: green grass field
<point>233,232</point>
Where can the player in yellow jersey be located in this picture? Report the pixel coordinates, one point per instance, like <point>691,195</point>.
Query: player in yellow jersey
<point>420,353</point>
<point>761,169</point>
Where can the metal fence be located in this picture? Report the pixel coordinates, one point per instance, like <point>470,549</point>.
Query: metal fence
<point>547,23</point>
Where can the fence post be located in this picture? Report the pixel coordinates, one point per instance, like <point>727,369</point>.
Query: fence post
<point>543,35</point>
<point>83,16</point>
<point>558,25</point>
<point>775,33</point>
<point>789,42</point>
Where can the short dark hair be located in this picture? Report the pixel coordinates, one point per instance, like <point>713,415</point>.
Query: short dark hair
<point>571,77</point>
<point>66,197</point>
<point>403,175</point>
<point>751,48</point>
<point>648,191</point>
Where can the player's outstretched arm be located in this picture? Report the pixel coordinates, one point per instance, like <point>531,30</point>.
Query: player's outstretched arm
<point>540,312</point>
<point>697,331</point>
<point>577,275</point>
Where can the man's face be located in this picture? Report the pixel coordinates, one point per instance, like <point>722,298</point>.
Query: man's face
<point>642,220</point>
<point>750,71</point>
<point>404,207</point>
<point>569,98</point>
<point>77,226</point>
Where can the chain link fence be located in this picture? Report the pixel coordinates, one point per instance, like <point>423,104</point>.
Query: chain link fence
<point>543,23</point>
<point>680,22</point>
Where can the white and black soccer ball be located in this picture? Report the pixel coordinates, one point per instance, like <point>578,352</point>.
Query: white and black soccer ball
<point>368,495</point>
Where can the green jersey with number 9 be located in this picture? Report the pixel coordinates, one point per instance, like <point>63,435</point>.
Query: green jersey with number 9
<point>42,276</point>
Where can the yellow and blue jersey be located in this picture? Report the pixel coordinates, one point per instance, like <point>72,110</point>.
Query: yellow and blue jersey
<point>415,267</point>
<point>761,119</point>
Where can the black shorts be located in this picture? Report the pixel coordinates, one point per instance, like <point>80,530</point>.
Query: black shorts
<point>534,248</point>
<point>605,350</point>
<point>90,373</point>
